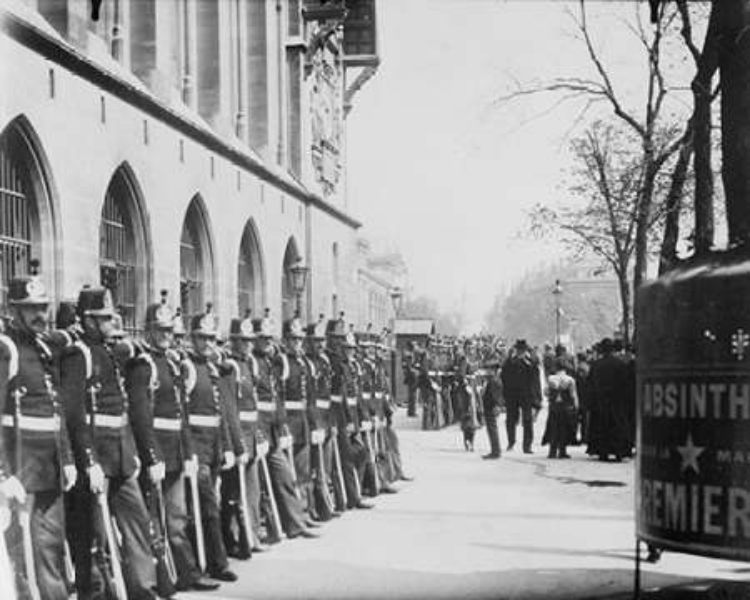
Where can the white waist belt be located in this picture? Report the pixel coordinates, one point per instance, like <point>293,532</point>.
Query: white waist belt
<point>337,399</point>
<point>109,421</point>
<point>262,448</point>
<point>378,395</point>
<point>323,404</point>
<point>51,424</point>
<point>166,424</point>
<point>366,395</point>
<point>266,406</point>
<point>294,405</point>
<point>248,416</point>
<point>365,426</point>
<point>351,401</point>
<point>204,420</point>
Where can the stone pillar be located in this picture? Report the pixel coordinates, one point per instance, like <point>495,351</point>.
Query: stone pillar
<point>257,75</point>
<point>241,54</point>
<point>213,77</point>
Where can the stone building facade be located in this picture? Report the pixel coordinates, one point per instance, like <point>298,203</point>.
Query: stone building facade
<point>196,146</point>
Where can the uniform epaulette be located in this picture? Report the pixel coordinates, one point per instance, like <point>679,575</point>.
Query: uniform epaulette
<point>12,350</point>
<point>284,366</point>
<point>234,367</point>
<point>86,352</point>
<point>189,374</point>
<point>311,365</point>
<point>145,357</point>
<point>254,365</point>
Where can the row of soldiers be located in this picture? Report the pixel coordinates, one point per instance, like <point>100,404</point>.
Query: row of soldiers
<point>134,469</point>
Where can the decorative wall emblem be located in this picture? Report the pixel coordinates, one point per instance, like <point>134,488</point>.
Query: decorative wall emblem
<point>326,105</point>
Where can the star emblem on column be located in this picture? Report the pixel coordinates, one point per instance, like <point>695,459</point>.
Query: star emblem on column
<point>690,453</point>
<point>740,341</point>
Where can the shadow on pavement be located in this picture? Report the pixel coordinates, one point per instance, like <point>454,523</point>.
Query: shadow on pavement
<point>329,580</point>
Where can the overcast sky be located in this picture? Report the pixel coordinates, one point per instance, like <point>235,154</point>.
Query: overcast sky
<point>441,173</point>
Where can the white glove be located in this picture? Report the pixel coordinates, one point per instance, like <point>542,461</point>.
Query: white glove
<point>157,472</point>
<point>12,489</point>
<point>191,466</point>
<point>350,428</point>
<point>70,474</point>
<point>96,478</point>
<point>229,461</point>
<point>244,458</point>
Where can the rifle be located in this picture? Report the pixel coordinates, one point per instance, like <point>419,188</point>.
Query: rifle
<point>318,438</point>
<point>246,528</point>
<point>166,572</point>
<point>106,517</point>
<point>372,458</point>
<point>24,510</point>
<point>197,522</point>
<point>287,446</point>
<point>343,500</point>
<point>262,451</point>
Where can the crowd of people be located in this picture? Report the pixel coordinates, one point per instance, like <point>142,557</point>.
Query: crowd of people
<point>590,396</point>
<point>133,467</point>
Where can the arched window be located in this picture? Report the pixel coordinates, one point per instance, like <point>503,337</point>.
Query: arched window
<point>26,230</point>
<point>249,273</point>
<point>123,251</point>
<point>196,267</point>
<point>288,294</point>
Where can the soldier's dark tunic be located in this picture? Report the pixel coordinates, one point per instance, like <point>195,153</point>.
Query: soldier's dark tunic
<point>210,435</point>
<point>318,409</point>
<point>295,386</point>
<point>238,383</point>
<point>154,380</point>
<point>271,423</point>
<point>110,443</point>
<point>45,448</point>
<point>346,418</point>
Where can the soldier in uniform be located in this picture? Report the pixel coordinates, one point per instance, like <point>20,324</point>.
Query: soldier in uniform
<point>295,386</point>
<point>30,409</point>
<point>271,426</point>
<point>341,348</point>
<point>411,372</point>
<point>98,418</point>
<point>240,379</point>
<point>320,420</point>
<point>210,435</point>
<point>155,381</point>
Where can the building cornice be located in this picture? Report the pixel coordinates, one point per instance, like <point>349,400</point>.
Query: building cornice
<point>74,61</point>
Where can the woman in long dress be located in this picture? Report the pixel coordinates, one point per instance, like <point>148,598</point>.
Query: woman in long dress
<point>563,406</point>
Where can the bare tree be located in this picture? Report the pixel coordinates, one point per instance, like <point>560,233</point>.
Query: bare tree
<point>605,221</point>
<point>660,137</point>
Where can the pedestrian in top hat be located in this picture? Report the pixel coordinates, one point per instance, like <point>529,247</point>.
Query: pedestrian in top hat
<point>521,380</point>
<point>36,461</point>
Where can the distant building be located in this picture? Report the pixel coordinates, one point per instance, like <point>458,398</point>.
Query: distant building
<point>377,276</point>
<point>192,145</point>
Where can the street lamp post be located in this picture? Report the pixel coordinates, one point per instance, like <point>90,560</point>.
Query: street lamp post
<point>557,293</point>
<point>397,297</point>
<point>299,280</point>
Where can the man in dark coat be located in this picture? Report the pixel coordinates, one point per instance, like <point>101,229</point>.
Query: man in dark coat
<point>609,426</point>
<point>521,382</point>
<point>492,399</point>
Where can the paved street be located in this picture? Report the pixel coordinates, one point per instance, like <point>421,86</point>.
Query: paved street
<point>521,527</point>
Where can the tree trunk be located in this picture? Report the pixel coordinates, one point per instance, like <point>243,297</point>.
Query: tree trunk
<point>643,219</point>
<point>624,285</point>
<point>668,256</point>
<point>734,58</point>
<point>704,177</point>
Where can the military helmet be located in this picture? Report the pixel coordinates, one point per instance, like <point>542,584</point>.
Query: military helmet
<point>178,324</point>
<point>292,328</point>
<point>317,331</point>
<point>204,324</point>
<point>336,327</point>
<point>242,329</point>
<point>160,315</point>
<point>28,290</point>
<point>263,327</point>
<point>95,302</point>
<point>67,316</point>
